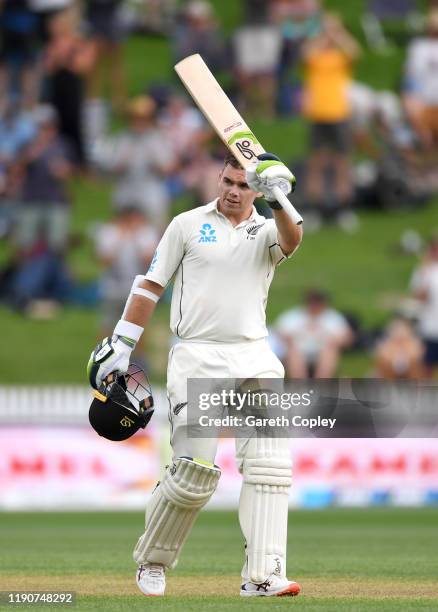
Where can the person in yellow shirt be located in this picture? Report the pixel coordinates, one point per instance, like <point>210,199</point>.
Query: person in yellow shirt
<point>328,60</point>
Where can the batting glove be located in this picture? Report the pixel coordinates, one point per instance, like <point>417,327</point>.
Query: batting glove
<point>110,355</point>
<point>269,172</point>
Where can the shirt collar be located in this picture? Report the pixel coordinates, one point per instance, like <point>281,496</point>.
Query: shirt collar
<point>212,207</point>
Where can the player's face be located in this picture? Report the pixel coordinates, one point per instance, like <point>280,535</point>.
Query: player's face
<point>235,197</point>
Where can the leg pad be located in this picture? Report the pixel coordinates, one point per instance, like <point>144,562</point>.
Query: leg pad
<point>186,487</point>
<point>263,514</point>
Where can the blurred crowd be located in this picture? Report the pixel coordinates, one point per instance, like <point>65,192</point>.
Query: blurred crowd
<point>310,339</point>
<point>65,112</point>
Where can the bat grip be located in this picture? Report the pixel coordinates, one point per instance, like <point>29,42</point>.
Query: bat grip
<point>287,206</point>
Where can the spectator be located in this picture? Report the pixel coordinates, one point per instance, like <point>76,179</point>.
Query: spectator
<point>17,129</point>
<point>424,284</point>
<point>198,32</point>
<point>399,354</point>
<point>257,52</point>
<point>107,31</point>
<point>139,159</point>
<point>18,53</point>
<point>68,59</point>
<point>390,176</point>
<point>190,135</point>
<point>44,210</point>
<point>43,215</point>
<point>150,16</point>
<point>328,59</point>
<point>125,247</point>
<point>185,126</point>
<point>421,84</point>
<point>314,336</point>
<point>46,9</point>
<point>39,283</point>
<point>298,21</point>
<point>255,11</point>
<point>201,176</point>
<point>376,117</point>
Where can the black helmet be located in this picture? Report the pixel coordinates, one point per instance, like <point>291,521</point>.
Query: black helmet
<point>122,404</point>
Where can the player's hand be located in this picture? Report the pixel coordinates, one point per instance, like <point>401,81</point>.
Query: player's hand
<point>110,355</point>
<point>269,172</point>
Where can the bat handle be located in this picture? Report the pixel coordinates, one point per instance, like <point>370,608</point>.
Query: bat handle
<point>287,205</point>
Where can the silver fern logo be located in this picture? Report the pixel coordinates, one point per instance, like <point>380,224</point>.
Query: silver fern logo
<point>252,231</point>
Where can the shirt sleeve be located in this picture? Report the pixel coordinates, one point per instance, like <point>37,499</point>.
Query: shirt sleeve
<point>275,252</point>
<point>168,255</point>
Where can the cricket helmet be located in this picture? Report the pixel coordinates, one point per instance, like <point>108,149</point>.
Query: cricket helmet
<point>122,405</point>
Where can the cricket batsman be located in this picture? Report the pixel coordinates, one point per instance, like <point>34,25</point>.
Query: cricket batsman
<point>222,257</point>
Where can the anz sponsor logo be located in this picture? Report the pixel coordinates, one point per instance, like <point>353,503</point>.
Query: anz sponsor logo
<point>252,231</point>
<point>207,233</point>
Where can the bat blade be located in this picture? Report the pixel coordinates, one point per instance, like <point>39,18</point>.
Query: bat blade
<point>225,119</point>
<point>218,109</point>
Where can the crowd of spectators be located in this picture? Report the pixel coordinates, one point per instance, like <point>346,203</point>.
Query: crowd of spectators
<point>293,58</point>
<point>62,83</point>
<point>63,87</point>
<point>311,338</point>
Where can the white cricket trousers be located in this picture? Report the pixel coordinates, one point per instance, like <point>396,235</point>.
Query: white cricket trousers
<point>264,463</point>
<point>252,359</point>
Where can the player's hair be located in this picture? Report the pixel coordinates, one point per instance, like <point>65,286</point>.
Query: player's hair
<point>232,161</point>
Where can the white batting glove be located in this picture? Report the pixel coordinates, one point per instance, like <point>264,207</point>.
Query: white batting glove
<point>110,355</point>
<point>269,172</point>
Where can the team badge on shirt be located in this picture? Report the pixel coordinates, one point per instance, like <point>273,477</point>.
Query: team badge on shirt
<point>207,233</point>
<point>252,231</point>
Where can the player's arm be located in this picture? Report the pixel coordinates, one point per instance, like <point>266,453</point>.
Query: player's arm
<point>142,303</point>
<point>289,234</point>
<point>113,354</point>
<point>268,173</point>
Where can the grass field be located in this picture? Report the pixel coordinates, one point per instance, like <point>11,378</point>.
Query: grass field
<point>352,560</point>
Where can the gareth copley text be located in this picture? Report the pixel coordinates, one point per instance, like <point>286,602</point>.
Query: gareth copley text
<point>278,421</point>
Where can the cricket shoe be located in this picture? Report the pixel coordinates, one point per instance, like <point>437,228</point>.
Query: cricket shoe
<point>272,587</point>
<point>151,579</point>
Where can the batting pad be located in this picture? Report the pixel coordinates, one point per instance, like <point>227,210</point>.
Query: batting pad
<point>263,509</point>
<point>186,487</point>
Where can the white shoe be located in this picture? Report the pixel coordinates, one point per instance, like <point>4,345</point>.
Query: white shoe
<point>151,579</point>
<point>272,587</point>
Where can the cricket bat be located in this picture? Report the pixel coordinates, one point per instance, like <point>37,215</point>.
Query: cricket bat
<point>225,119</point>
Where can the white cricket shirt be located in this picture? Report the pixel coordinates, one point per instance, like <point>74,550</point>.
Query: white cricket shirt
<point>222,274</point>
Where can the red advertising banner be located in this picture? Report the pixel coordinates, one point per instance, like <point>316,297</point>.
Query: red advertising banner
<point>71,467</point>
